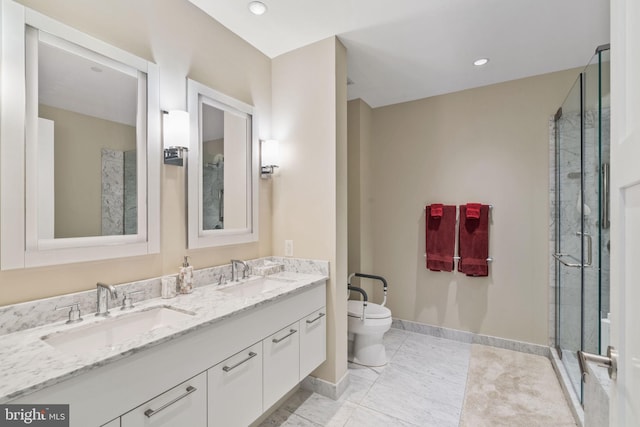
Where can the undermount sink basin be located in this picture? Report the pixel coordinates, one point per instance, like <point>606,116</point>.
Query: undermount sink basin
<point>254,286</point>
<point>106,335</point>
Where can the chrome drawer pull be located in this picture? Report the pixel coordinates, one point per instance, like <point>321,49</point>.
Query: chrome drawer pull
<point>229,368</point>
<point>291,332</point>
<point>320,316</point>
<point>151,412</point>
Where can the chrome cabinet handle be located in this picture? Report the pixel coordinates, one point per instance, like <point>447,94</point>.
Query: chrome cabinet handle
<point>229,368</point>
<point>291,332</point>
<point>151,412</point>
<point>320,316</point>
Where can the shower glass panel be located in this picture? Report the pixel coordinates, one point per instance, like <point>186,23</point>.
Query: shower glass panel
<point>582,218</point>
<point>569,230</point>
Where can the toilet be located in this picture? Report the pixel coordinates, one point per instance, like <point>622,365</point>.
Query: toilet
<point>366,333</point>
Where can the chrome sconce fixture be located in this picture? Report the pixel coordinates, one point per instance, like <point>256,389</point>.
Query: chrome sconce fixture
<point>269,155</point>
<point>175,136</point>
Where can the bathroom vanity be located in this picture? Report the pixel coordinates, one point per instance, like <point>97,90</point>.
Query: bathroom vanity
<point>220,356</point>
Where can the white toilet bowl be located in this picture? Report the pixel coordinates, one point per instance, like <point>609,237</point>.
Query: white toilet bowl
<point>368,347</point>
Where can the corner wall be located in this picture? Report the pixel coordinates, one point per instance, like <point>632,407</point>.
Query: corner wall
<point>361,234</point>
<point>487,145</point>
<point>310,187</point>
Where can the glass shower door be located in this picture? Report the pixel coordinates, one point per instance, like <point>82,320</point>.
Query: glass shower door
<point>570,240</point>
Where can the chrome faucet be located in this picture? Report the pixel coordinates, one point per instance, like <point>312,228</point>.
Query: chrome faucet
<point>103,292</point>
<point>234,271</point>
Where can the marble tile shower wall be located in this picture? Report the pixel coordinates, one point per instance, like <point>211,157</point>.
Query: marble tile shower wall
<point>213,193</point>
<point>119,193</point>
<point>130,192</point>
<point>570,278</point>
<point>30,314</point>
<point>112,192</point>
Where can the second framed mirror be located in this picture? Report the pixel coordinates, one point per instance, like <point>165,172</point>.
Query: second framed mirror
<point>223,169</point>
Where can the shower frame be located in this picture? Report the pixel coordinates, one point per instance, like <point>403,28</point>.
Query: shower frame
<point>577,266</point>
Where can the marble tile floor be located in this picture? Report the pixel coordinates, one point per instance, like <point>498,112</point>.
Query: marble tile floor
<point>422,385</point>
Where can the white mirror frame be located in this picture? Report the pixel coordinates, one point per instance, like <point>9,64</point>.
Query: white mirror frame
<point>197,236</point>
<point>20,245</point>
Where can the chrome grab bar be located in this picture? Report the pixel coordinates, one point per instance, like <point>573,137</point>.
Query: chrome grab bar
<point>277,340</point>
<point>151,412</point>
<point>230,368</point>
<point>320,316</point>
<point>609,361</point>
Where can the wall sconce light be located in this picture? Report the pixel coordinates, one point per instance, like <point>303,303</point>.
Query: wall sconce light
<point>269,152</point>
<point>175,135</point>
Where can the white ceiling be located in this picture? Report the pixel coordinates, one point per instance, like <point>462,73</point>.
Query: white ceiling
<point>401,50</point>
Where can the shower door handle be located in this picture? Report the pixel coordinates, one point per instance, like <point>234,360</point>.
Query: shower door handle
<point>589,247</point>
<point>559,256</point>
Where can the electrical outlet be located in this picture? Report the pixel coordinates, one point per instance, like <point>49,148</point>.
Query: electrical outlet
<point>288,248</point>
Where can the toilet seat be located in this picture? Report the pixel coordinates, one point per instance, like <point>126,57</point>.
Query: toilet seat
<point>373,311</point>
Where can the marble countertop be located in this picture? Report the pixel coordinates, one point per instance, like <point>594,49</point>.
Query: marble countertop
<point>29,364</point>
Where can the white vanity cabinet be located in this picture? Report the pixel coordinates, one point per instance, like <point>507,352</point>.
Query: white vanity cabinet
<point>223,374</point>
<point>235,389</point>
<point>313,341</point>
<point>281,363</point>
<point>183,405</point>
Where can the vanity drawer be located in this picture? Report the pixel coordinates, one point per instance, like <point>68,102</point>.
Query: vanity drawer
<point>313,341</point>
<point>281,363</point>
<point>235,389</point>
<point>183,405</point>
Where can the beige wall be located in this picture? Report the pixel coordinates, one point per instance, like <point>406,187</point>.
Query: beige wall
<point>183,41</point>
<point>486,145</point>
<point>79,140</point>
<point>360,242</point>
<point>309,189</point>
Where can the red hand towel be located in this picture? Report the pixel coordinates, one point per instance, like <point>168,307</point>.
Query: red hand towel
<point>436,210</point>
<point>473,242</point>
<point>441,238</point>
<point>473,210</point>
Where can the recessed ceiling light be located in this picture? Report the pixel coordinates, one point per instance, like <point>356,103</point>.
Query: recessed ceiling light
<point>257,7</point>
<point>480,62</point>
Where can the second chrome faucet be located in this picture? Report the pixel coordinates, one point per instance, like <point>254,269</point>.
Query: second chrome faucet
<point>103,292</point>
<point>234,269</point>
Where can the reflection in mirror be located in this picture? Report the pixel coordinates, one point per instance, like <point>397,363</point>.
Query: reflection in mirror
<point>80,146</point>
<point>222,169</point>
<point>224,132</point>
<point>212,168</point>
<point>87,113</point>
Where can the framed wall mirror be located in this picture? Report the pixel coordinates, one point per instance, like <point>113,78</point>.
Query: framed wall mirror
<point>223,169</point>
<point>85,141</point>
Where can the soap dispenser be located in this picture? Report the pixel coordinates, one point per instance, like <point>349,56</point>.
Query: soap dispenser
<point>185,277</point>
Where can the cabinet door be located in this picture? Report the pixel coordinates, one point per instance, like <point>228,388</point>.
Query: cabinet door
<point>112,423</point>
<point>313,341</point>
<point>235,389</point>
<point>183,405</point>
<point>281,363</point>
